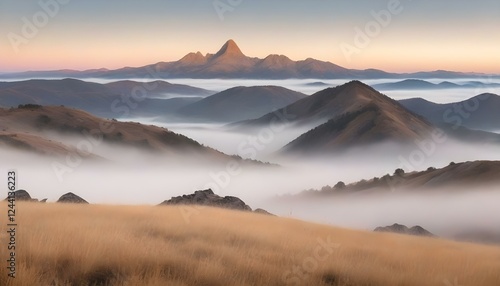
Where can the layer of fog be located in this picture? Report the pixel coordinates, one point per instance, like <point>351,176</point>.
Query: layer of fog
<point>309,87</point>
<point>473,214</point>
<point>441,95</point>
<point>234,141</point>
<point>129,176</point>
<point>139,181</point>
<point>173,95</point>
<point>185,173</point>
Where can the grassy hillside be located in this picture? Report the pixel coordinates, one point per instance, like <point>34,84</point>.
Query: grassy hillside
<point>41,120</point>
<point>61,244</point>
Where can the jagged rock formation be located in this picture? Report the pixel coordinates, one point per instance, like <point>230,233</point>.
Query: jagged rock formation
<point>208,198</point>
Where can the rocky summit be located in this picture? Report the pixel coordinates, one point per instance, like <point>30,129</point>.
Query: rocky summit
<point>208,198</point>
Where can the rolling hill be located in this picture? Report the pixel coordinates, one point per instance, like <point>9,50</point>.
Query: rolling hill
<point>240,103</point>
<point>158,89</point>
<point>34,126</point>
<point>368,125</point>
<point>30,143</point>
<point>186,245</point>
<point>472,174</point>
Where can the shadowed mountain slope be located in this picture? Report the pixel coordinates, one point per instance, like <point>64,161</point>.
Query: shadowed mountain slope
<point>241,103</point>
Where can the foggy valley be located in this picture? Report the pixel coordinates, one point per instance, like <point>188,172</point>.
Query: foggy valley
<point>158,156</point>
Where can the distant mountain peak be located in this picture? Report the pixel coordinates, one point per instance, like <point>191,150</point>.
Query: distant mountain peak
<point>230,48</point>
<point>194,58</point>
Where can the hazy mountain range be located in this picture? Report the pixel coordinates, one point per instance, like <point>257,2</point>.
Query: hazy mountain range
<point>353,114</point>
<point>418,84</point>
<point>480,112</point>
<point>230,62</point>
<point>113,100</point>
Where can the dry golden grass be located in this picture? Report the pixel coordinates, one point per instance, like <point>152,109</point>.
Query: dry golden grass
<point>149,245</point>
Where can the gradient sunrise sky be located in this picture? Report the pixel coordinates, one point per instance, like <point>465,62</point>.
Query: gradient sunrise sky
<point>459,35</point>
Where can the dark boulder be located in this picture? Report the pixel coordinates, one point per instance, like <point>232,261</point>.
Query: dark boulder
<point>399,228</point>
<point>208,198</point>
<point>261,211</point>
<point>22,195</point>
<point>71,198</point>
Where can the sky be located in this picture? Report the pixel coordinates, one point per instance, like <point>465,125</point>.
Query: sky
<point>392,35</point>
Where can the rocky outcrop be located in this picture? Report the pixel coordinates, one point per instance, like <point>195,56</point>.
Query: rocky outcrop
<point>22,195</point>
<point>208,198</point>
<point>399,228</point>
<point>264,212</point>
<point>71,198</point>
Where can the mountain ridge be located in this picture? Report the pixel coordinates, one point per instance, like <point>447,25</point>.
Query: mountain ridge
<point>240,103</point>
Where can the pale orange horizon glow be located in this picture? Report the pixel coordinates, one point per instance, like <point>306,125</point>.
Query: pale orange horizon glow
<point>43,56</point>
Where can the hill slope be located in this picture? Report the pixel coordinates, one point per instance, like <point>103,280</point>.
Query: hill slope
<point>241,103</point>
<point>45,121</point>
<point>368,125</point>
<point>472,174</point>
<point>208,246</point>
<point>480,112</point>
